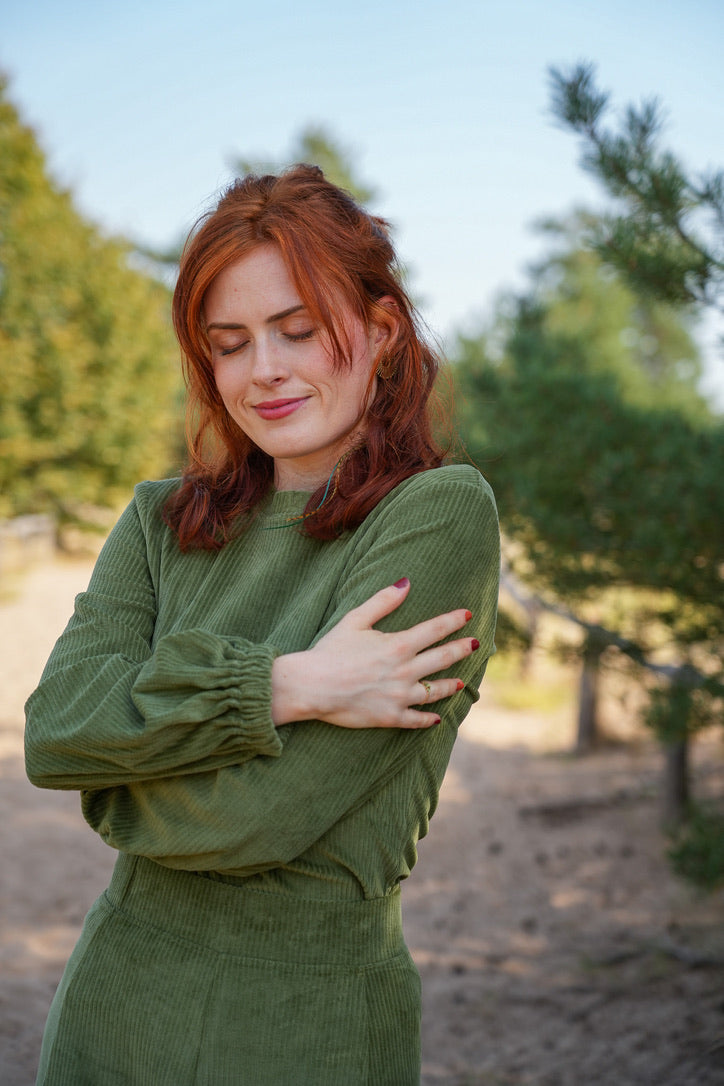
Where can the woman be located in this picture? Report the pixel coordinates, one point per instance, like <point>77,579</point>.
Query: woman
<point>259,692</point>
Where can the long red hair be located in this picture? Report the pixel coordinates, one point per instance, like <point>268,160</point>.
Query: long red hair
<point>333,249</point>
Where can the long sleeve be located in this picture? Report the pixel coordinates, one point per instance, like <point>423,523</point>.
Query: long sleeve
<point>114,707</point>
<point>441,531</point>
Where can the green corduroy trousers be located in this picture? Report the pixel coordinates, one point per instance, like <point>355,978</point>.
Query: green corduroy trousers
<point>181,980</point>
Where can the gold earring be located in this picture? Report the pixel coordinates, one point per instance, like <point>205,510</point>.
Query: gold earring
<point>385,367</point>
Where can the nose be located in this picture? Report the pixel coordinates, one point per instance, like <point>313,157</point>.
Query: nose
<point>268,367</point>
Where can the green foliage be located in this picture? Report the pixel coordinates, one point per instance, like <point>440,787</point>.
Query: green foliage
<point>668,239</point>
<point>697,703</point>
<point>510,635</point>
<point>697,851</point>
<point>89,385</point>
<point>605,461</point>
<point>645,343</point>
<point>600,492</point>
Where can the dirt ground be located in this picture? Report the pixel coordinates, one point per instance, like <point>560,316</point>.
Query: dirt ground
<point>555,946</point>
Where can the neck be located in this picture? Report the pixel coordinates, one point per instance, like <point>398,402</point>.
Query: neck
<point>306,483</point>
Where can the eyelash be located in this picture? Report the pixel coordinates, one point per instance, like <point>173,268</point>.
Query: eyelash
<point>297,337</point>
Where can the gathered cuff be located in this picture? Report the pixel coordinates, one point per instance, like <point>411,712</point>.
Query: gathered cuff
<point>196,677</point>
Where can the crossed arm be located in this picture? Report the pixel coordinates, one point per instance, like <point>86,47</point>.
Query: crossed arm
<point>229,794</point>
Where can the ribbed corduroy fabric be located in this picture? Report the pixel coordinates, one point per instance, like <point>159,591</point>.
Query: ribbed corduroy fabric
<point>251,932</point>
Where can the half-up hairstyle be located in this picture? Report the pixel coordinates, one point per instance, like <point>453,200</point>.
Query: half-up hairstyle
<point>333,249</point>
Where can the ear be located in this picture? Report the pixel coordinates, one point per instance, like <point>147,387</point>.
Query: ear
<point>384,325</point>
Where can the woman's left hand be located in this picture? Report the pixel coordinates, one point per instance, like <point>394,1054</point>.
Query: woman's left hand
<point>359,677</point>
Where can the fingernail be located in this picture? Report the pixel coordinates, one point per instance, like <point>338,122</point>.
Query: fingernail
<point>437,720</point>
<point>475,644</point>
<point>468,616</point>
<point>402,583</point>
<point>460,685</point>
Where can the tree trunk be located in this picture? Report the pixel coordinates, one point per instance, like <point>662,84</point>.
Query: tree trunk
<point>676,783</point>
<point>532,614</point>
<point>587,731</point>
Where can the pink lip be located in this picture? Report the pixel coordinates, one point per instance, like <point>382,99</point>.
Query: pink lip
<point>278,409</point>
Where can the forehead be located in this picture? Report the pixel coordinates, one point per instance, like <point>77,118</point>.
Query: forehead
<point>257,282</point>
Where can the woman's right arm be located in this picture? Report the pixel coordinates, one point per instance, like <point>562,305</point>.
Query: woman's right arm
<point>111,709</point>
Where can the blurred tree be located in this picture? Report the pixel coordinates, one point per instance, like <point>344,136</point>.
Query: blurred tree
<point>89,382</point>
<point>645,342</point>
<point>668,238</point>
<point>581,404</point>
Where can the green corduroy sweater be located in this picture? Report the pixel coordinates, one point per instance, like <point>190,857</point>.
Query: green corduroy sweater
<point>155,704</point>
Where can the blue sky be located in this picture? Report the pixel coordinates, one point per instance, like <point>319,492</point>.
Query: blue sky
<point>140,107</point>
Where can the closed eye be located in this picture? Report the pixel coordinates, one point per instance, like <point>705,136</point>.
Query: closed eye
<point>224,351</point>
<point>298,337</point>
<point>291,337</point>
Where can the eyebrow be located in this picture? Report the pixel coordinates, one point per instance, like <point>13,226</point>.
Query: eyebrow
<point>270,320</point>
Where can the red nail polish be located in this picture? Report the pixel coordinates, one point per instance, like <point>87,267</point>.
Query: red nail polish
<point>460,685</point>
<point>437,720</point>
<point>475,644</point>
<point>402,583</point>
<point>468,616</point>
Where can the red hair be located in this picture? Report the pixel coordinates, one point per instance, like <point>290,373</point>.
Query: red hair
<point>333,249</point>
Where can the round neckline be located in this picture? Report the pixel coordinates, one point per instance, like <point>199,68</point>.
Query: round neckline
<point>284,503</point>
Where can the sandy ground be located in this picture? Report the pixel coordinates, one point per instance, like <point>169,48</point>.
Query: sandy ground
<point>555,946</point>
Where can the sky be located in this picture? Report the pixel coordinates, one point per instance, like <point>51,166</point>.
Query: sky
<point>444,106</point>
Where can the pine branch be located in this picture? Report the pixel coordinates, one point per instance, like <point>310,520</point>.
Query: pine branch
<point>655,188</point>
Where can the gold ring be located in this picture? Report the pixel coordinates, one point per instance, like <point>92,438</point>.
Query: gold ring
<point>428,691</point>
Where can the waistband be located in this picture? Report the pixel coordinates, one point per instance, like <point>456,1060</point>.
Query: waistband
<point>232,919</point>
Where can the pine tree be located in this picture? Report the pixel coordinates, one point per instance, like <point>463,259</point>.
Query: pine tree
<point>606,463</point>
<point>667,239</point>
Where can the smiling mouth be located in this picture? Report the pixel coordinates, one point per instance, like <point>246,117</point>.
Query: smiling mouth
<point>279,409</point>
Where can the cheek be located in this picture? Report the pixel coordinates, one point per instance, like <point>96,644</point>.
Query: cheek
<point>228,382</point>
<point>346,393</point>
